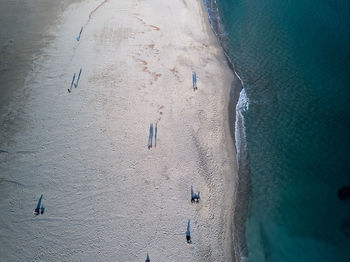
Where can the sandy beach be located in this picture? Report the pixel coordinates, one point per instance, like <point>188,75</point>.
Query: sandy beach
<point>107,196</point>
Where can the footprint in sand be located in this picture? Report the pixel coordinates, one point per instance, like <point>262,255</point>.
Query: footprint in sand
<point>152,47</point>
<point>160,108</point>
<point>145,69</point>
<point>95,10</point>
<point>202,116</point>
<point>176,74</point>
<point>153,27</point>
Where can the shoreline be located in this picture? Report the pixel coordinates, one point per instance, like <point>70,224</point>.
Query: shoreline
<point>104,162</point>
<point>233,182</point>
<point>236,122</point>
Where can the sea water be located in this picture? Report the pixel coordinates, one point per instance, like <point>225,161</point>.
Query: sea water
<point>294,61</point>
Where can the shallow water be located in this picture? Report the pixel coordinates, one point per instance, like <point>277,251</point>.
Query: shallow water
<point>293,58</point>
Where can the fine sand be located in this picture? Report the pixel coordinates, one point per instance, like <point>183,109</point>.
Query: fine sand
<point>108,197</point>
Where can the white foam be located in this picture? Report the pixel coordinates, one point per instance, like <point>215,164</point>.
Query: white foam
<point>240,132</point>
<point>241,147</point>
<point>243,101</point>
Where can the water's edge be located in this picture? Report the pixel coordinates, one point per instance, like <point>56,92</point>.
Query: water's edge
<point>237,102</point>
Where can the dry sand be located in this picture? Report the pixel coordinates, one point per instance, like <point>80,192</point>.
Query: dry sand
<point>91,144</point>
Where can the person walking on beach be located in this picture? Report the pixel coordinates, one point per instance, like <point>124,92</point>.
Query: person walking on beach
<point>78,37</point>
<point>150,138</point>
<point>155,136</point>
<point>39,208</point>
<point>71,85</point>
<point>147,259</point>
<point>77,83</point>
<point>194,197</point>
<point>188,233</point>
<point>194,81</point>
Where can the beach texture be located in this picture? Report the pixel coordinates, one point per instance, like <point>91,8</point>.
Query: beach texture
<point>107,196</point>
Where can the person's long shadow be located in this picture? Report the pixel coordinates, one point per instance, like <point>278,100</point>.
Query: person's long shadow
<point>150,138</point>
<point>155,136</point>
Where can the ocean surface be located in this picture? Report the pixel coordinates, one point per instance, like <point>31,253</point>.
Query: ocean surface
<point>294,61</point>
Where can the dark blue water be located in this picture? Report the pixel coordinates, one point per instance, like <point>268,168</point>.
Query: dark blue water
<point>294,60</point>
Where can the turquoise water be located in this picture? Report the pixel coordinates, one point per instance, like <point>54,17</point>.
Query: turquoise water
<point>294,60</point>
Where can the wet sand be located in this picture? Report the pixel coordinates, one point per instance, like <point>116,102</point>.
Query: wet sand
<point>107,196</point>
